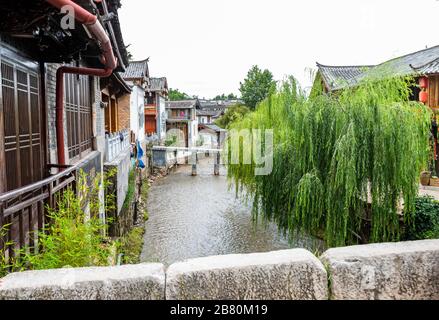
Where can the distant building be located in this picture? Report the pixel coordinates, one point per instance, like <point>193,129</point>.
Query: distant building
<point>155,107</point>
<point>212,136</point>
<point>137,75</point>
<point>210,110</point>
<point>181,116</point>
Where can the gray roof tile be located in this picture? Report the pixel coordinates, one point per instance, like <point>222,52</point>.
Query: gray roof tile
<point>157,84</point>
<point>335,77</point>
<point>183,104</point>
<point>425,61</point>
<point>429,68</point>
<point>136,70</point>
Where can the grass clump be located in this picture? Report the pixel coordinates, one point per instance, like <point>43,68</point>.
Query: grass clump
<point>131,245</point>
<point>131,190</point>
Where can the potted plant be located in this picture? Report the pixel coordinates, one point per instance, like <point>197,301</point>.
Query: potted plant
<point>425,178</point>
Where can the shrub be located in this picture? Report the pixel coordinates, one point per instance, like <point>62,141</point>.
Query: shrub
<point>426,220</point>
<point>170,141</point>
<point>232,114</point>
<point>76,235</point>
<point>5,264</point>
<point>132,244</point>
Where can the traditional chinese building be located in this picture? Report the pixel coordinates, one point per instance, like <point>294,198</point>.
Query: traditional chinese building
<point>52,107</point>
<point>422,65</point>
<point>155,107</point>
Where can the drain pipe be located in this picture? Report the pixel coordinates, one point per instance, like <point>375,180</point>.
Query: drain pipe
<point>98,33</point>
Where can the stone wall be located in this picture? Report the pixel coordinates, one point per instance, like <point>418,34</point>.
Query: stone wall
<point>122,165</point>
<point>405,270</point>
<point>402,270</point>
<point>282,275</point>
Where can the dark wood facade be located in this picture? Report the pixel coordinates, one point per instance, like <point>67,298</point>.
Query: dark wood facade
<point>22,130</point>
<point>433,92</point>
<point>78,94</point>
<point>31,180</point>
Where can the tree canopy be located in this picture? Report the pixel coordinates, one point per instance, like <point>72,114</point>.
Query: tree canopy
<point>223,97</point>
<point>176,95</point>
<point>347,164</point>
<point>256,86</point>
<point>232,114</point>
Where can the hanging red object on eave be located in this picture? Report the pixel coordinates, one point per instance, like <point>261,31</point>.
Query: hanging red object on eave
<point>423,96</point>
<point>423,82</point>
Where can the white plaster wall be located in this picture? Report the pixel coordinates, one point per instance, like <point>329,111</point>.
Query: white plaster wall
<point>161,118</point>
<point>137,116</point>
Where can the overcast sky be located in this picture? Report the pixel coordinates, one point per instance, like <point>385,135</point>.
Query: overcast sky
<point>205,47</point>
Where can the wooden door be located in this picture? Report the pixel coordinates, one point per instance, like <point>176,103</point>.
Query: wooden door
<point>21,129</point>
<point>150,124</point>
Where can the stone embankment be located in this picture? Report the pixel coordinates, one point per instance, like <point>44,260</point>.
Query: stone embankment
<point>404,270</point>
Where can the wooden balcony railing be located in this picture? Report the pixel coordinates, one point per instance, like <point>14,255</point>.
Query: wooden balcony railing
<point>24,211</point>
<point>178,115</point>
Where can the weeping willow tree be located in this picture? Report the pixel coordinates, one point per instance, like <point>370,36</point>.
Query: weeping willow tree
<point>342,165</point>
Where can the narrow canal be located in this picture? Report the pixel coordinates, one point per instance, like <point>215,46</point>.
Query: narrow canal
<point>199,216</point>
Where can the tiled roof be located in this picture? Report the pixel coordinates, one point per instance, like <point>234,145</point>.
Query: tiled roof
<point>136,70</point>
<point>403,65</point>
<point>335,77</point>
<point>207,112</point>
<point>425,61</point>
<point>429,68</point>
<point>157,84</point>
<point>114,6</point>
<point>183,104</point>
<point>213,127</point>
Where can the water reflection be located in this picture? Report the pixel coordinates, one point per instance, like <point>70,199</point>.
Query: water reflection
<point>198,216</point>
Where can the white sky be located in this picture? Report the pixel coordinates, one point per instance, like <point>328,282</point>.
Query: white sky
<point>206,47</point>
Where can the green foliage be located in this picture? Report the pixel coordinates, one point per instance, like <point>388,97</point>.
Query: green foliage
<point>131,190</point>
<point>5,264</point>
<point>131,245</point>
<point>256,86</point>
<point>426,220</point>
<point>333,153</point>
<point>232,114</point>
<point>223,97</point>
<point>171,140</point>
<point>200,141</point>
<point>75,237</point>
<point>176,95</point>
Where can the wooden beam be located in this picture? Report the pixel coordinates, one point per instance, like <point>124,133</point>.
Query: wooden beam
<point>2,139</point>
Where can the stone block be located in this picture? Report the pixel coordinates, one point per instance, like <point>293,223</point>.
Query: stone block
<point>129,282</point>
<point>279,275</point>
<point>401,270</point>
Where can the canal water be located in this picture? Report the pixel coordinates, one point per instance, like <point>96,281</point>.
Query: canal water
<point>199,216</point>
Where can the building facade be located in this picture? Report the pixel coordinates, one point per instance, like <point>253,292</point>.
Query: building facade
<point>52,119</point>
<point>422,65</point>
<point>182,121</point>
<point>155,107</point>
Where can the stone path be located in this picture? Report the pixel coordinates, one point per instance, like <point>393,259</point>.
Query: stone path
<point>429,191</point>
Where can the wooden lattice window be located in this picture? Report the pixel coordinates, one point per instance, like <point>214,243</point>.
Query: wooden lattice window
<point>21,129</point>
<point>77,95</point>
